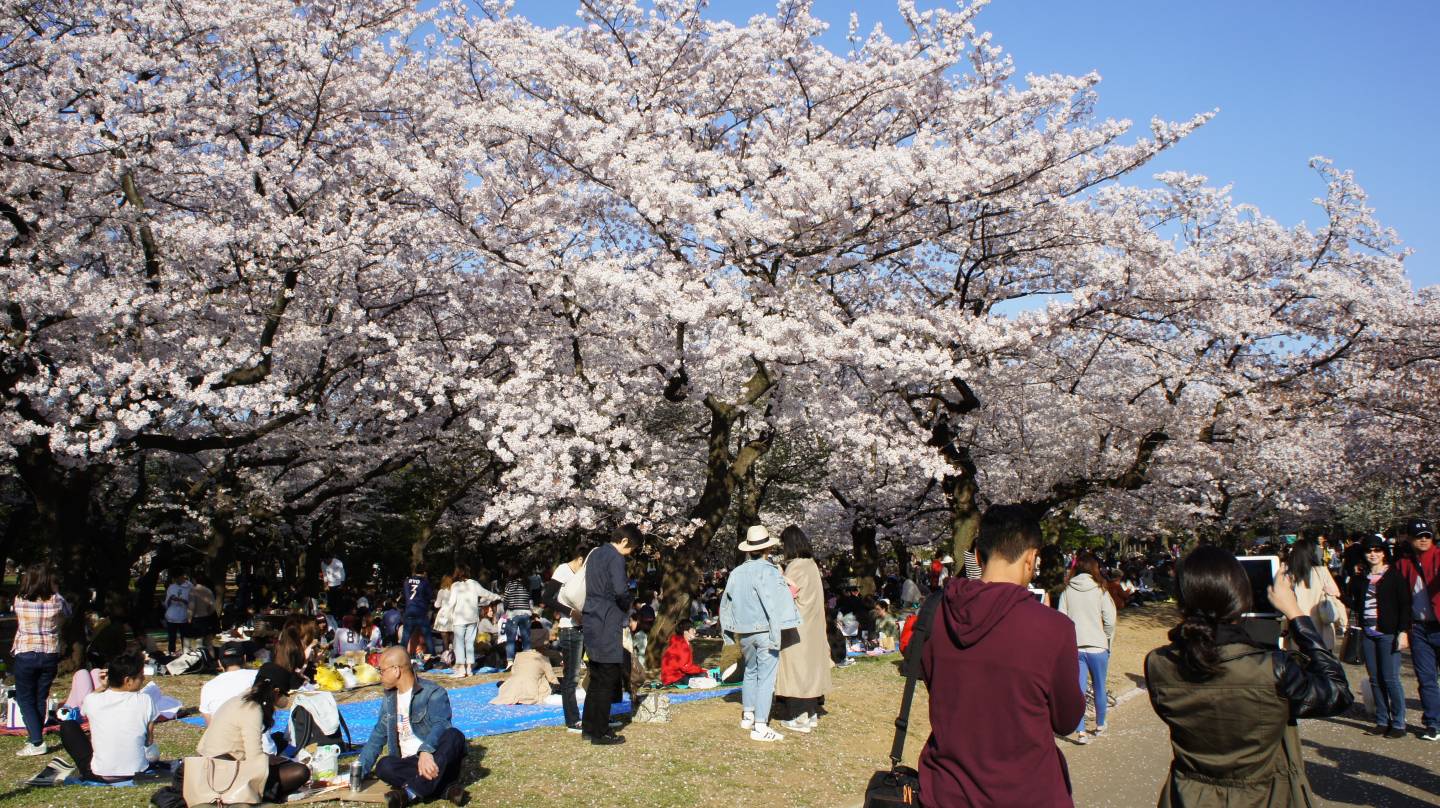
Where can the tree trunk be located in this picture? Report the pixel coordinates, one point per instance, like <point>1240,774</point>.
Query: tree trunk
<point>960,492</point>
<point>867,552</point>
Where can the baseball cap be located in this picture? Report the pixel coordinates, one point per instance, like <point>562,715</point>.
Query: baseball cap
<point>1419,527</point>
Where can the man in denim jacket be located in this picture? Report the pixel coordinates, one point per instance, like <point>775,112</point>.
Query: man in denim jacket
<point>757,606</point>
<point>425,751</point>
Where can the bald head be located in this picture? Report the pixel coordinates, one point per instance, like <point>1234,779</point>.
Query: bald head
<point>396,672</point>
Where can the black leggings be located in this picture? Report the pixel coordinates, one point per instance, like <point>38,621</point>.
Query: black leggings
<point>286,778</point>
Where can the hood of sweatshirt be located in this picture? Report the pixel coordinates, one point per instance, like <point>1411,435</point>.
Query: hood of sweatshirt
<point>1083,583</point>
<point>974,607</point>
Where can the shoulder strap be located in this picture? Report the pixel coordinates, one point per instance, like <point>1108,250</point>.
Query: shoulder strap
<point>911,664</point>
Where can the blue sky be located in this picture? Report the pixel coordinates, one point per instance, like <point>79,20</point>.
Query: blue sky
<point>1358,82</point>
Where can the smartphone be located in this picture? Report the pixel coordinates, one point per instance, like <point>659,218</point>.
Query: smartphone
<point>1261,570</point>
<point>1038,594</point>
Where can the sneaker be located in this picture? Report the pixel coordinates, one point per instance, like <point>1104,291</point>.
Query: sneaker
<point>54,773</point>
<point>32,749</point>
<point>1380,730</point>
<point>1395,732</point>
<point>797,725</point>
<point>763,732</point>
<point>1430,734</point>
<point>574,728</point>
<point>1098,731</point>
<point>608,739</point>
<point>747,721</point>
<point>1083,738</point>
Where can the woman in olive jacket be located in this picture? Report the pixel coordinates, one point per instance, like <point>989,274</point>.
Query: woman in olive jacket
<point>1219,761</point>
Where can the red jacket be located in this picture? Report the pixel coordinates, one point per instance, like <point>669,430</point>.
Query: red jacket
<point>1004,679</point>
<point>1429,563</point>
<point>678,661</point>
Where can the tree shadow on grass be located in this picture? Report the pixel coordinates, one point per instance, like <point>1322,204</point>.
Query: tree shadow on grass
<point>1339,784</point>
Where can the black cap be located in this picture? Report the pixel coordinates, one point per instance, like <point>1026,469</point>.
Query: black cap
<point>1373,542</point>
<point>283,680</point>
<point>232,654</point>
<point>1419,527</point>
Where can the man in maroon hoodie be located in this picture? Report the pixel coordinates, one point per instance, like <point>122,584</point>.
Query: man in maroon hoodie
<point>1421,568</point>
<point>1003,675</point>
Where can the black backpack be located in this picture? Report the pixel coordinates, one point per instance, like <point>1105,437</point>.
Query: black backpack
<point>305,731</point>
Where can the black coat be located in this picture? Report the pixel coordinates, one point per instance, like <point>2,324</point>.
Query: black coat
<point>607,605</point>
<point>1392,596</point>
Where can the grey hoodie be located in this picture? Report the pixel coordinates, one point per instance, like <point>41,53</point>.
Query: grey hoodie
<point>1088,604</point>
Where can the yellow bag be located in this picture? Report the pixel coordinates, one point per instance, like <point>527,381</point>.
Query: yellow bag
<point>367,674</point>
<point>327,678</point>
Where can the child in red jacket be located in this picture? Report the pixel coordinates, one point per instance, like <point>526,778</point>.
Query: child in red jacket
<point>678,663</point>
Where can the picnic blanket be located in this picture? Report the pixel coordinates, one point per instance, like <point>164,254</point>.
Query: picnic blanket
<point>472,713</point>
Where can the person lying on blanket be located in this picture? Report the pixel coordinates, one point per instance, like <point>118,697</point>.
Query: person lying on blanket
<point>677,665</point>
<point>426,753</point>
<point>119,744</point>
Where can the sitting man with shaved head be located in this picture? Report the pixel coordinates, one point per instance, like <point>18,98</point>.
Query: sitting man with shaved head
<point>426,753</point>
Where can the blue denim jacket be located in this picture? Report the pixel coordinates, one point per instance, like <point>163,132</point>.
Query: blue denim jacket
<point>758,599</point>
<point>429,717</point>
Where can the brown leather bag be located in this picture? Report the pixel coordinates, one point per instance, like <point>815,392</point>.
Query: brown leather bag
<point>222,781</point>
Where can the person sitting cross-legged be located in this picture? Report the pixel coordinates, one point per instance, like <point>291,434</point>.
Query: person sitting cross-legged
<point>119,744</point>
<point>425,752</point>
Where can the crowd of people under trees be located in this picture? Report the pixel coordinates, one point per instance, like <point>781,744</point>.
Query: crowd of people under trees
<point>1012,603</point>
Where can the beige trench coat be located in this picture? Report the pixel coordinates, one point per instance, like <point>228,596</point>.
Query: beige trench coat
<point>805,666</point>
<point>530,679</point>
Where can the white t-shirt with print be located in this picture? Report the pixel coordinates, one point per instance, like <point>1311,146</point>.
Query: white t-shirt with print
<point>409,741</point>
<point>177,603</point>
<point>117,731</point>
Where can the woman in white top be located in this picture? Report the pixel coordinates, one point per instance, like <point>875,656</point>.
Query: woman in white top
<point>442,610</point>
<point>1313,583</point>
<point>466,596</point>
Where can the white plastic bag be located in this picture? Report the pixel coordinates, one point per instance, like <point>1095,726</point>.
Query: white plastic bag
<point>326,762</point>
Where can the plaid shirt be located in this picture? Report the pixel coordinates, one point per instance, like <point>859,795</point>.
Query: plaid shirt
<point>38,629</point>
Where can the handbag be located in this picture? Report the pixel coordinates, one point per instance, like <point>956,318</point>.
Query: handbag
<point>1351,653</point>
<point>1331,611</point>
<point>572,593</point>
<point>220,781</point>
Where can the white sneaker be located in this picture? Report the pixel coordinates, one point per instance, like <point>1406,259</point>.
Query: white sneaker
<point>763,732</point>
<point>812,720</point>
<point>797,725</point>
<point>31,750</point>
<point>747,721</point>
<point>1083,738</point>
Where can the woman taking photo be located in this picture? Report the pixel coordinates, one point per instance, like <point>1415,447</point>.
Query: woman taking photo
<point>804,676</point>
<point>1249,752</point>
<point>39,613</point>
<point>237,730</point>
<point>1088,603</point>
<point>757,607</point>
<point>1381,604</point>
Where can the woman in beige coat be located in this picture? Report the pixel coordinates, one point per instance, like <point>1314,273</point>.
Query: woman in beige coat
<point>530,679</point>
<point>805,665</point>
<point>1313,583</point>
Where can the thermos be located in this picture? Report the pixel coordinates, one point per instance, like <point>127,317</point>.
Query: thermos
<point>355,776</point>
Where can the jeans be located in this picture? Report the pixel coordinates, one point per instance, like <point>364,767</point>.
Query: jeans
<point>762,662</point>
<point>572,646</point>
<point>1093,667</point>
<point>34,672</point>
<point>404,773</point>
<point>465,643</point>
<point>1424,647</point>
<point>517,627</point>
<point>605,679</point>
<point>419,623</point>
<point>1382,662</point>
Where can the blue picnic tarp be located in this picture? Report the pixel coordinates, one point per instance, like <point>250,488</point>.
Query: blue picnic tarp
<point>472,713</point>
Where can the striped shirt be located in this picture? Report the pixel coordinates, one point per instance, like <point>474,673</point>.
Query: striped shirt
<point>38,625</point>
<point>517,596</point>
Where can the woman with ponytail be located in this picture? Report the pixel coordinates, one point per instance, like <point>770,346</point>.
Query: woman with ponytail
<point>1246,752</point>
<point>237,732</point>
